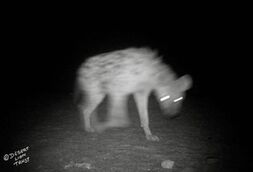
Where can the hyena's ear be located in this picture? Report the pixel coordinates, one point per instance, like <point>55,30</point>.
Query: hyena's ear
<point>184,82</point>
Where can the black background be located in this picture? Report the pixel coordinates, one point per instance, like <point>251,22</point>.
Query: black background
<point>45,59</point>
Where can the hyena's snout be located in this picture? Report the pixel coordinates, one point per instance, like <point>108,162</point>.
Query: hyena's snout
<point>171,110</point>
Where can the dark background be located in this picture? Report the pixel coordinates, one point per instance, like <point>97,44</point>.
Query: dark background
<point>43,45</point>
<point>45,60</point>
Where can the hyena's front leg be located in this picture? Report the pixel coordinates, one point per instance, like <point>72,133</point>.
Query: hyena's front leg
<point>141,99</point>
<point>88,109</point>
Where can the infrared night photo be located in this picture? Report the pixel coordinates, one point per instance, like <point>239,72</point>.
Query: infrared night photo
<point>148,100</point>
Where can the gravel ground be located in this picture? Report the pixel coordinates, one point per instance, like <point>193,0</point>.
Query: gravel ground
<point>199,140</point>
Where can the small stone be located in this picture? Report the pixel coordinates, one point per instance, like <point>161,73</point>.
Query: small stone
<point>167,164</point>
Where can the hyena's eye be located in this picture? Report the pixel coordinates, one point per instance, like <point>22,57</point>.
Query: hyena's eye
<point>164,98</point>
<point>178,99</point>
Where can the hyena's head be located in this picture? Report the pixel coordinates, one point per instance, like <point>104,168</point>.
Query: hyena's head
<point>172,93</point>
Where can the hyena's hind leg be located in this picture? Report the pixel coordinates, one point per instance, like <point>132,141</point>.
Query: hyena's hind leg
<point>88,109</point>
<point>117,113</point>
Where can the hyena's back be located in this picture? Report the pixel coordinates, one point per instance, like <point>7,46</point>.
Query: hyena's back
<point>124,71</point>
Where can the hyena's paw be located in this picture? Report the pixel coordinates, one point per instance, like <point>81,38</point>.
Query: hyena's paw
<point>152,138</point>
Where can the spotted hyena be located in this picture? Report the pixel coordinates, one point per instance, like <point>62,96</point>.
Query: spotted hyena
<point>118,74</point>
